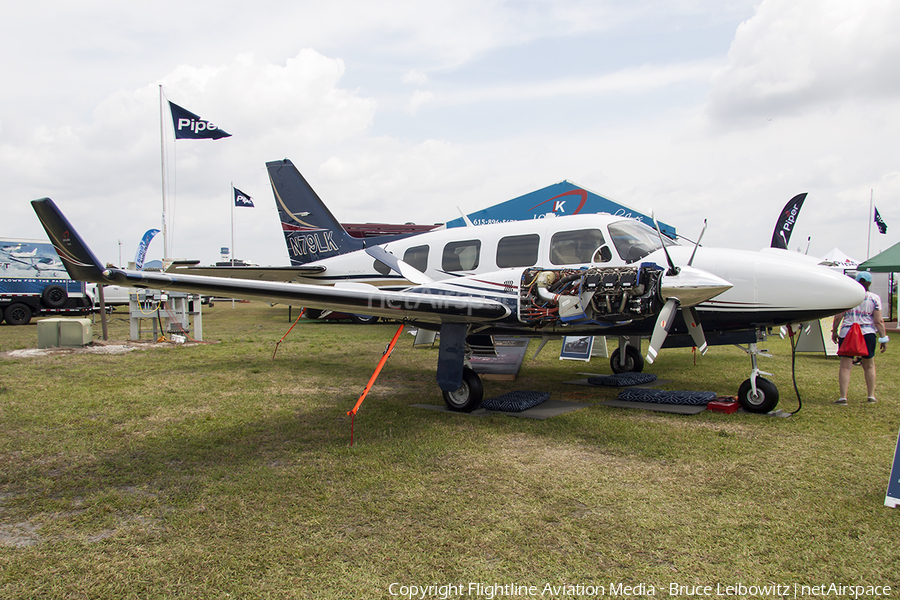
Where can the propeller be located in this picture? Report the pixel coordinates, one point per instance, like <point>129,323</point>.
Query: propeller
<point>404,269</point>
<point>683,288</point>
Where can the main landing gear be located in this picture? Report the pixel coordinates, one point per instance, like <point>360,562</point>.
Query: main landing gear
<point>467,397</point>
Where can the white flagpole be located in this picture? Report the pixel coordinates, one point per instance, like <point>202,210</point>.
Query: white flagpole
<point>162,166</point>
<point>871,218</point>
<point>232,223</point>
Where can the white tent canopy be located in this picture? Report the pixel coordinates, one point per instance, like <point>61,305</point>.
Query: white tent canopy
<point>836,258</point>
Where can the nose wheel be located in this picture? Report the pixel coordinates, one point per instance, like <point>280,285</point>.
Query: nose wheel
<point>757,394</point>
<point>761,400</point>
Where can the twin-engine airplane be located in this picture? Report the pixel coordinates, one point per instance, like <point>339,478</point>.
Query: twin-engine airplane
<point>577,275</point>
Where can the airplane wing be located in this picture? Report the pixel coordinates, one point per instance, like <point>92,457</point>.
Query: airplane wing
<point>83,265</point>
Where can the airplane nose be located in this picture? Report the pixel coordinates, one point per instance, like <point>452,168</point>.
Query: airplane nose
<point>843,292</point>
<point>692,286</point>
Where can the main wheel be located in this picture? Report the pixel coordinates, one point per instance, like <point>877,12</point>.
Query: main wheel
<point>54,296</point>
<point>18,314</point>
<point>363,319</point>
<point>766,397</point>
<point>468,395</point>
<point>634,362</point>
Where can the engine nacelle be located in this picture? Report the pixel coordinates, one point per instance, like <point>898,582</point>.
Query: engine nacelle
<point>598,295</point>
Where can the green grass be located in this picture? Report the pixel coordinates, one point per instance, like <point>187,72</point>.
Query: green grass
<point>214,471</point>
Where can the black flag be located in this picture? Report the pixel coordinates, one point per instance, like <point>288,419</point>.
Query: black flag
<point>189,126</point>
<point>786,220</point>
<point>242,199</point>
<point>882,226</point>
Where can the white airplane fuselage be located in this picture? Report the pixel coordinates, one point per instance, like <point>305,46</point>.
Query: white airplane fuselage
<point>768,288</point>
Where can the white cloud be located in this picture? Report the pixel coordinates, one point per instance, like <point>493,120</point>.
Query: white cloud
<point>416,77</point>
<point>800,55</point>
<point>419,98</point>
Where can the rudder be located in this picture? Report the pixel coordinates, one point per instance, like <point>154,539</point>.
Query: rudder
<point>311,232</point>
<point>80,262</point>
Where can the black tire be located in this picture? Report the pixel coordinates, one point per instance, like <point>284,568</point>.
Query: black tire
<point>634,362</point>
<point>765,400</point>
<point>54,296</point>
<point>469,394</point>
<point>313,313</point>
<point>18,314</point>
<point>363,319</point>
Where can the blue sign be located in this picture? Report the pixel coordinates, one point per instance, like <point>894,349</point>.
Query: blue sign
<point>559,199</point>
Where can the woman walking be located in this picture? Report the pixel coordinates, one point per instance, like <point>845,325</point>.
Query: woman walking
<point>868,315</point>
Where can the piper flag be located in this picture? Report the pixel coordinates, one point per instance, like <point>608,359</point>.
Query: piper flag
<point>142,248</point>
<point>242,199</point>
<point>882,226</point>
<point>189,126</point>
<point>786,220</point>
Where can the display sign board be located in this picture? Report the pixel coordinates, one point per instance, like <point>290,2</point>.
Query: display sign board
<point>892,498</point>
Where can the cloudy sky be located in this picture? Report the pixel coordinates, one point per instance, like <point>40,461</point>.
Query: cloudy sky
<point>400,111</point>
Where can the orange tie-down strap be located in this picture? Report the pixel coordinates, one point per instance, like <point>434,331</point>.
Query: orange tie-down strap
<point>384,357</point>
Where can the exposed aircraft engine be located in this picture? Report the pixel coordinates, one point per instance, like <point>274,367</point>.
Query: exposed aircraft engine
<point>600,295</point>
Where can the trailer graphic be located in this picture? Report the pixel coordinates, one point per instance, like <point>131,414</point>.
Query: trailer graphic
<point>33,282</point>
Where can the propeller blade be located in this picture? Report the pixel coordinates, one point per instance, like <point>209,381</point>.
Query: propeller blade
<point>697,245</point>
<point>694,326</point>
<point>661,329</point>
<point>673,270</point>
<point>404,269</point>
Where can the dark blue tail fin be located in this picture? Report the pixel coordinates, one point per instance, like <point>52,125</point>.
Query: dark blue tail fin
<point>80,262</point>
<point>310,230</point>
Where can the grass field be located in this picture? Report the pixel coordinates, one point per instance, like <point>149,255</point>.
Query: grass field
<point>214,471</point>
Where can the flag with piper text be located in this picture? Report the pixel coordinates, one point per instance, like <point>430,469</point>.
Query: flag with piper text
<point>189,126</point>
<point>882,226</point>
<point>242,199</point>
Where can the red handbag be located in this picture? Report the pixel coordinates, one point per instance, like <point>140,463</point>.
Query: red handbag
<point>854,344</point>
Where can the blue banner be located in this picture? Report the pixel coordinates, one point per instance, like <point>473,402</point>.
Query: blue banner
<point>242,199</point>
<point>189,126</point>
<point>142,248</point>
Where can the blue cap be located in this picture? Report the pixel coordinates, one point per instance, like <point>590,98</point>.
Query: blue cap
<point>864,276</point>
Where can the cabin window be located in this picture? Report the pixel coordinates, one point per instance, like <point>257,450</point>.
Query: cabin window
<point>575,247</point>
<point>518,250</point>
<point>417,257</point>
<point>461,256</point>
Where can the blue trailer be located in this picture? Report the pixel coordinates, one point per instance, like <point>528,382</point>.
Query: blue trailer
<point>33,282</point>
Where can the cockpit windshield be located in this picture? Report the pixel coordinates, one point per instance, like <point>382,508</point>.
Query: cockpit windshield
<point>634,240</point>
